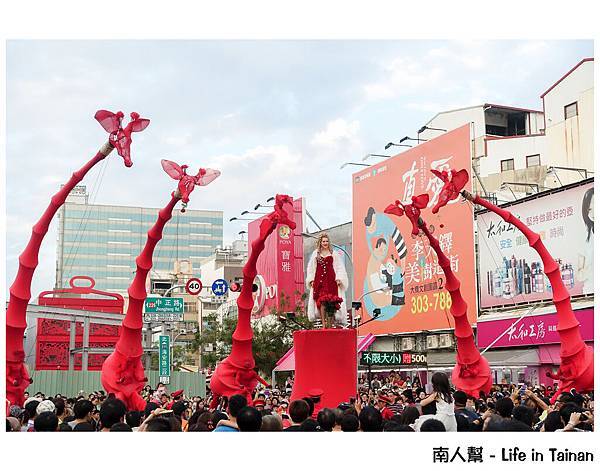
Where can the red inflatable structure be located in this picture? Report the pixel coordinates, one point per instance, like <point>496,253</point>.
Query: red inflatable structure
<point>472,372</point>
<point>326,359</point>
<point>235,374</point>
<point>122,372</point>
<point>576,358</point>
<point>17,376</point>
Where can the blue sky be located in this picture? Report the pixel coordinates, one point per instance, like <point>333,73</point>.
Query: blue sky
<point>273,116</point>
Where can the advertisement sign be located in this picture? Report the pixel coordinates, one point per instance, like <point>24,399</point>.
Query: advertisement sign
<point>280,267</point>
<point>164,358</point>
<point>393,359</point>
<point>511,272</point>
<point>394,272</point>
<point>531,330</point>
<point>163,310</point>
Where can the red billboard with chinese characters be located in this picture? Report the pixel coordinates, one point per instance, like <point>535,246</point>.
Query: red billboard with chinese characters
<point>511,272</point>
<point>394,272</point>
<point>280,267</point>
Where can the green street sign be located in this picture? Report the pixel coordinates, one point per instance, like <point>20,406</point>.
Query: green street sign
<point>164,356</point>
<point>163,309</point>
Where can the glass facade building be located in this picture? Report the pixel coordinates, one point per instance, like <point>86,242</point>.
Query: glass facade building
<point>103,241</point>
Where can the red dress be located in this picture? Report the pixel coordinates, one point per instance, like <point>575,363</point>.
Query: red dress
<point>324,279</point>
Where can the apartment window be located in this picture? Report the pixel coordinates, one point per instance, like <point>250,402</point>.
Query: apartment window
<point>571,110</point>
<point>508,164</point>
<point>533,160</point>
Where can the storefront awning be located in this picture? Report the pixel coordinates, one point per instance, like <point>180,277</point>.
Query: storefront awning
<point>516,357</point>
<point>288,361</point>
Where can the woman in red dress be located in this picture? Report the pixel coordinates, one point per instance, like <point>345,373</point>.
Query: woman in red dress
<point>326,276</point>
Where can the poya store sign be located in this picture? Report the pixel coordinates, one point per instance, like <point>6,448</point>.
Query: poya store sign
<point>531,330</point>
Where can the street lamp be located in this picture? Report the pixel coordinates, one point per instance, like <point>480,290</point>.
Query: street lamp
<point>239,219</point>
<point>406,138</point>
<point>353,163</point>
<point>431,129</point>
<point>261,206</point>
<point>390,144</point>
<point>243,213</point>
<point>368,156</point>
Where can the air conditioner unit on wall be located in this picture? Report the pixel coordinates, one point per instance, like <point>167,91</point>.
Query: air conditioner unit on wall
<point>408,344</point>
<point>445,341</point>
<point>432,342</point>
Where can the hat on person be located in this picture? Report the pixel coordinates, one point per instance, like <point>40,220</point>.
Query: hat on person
<point>384,398</point>
<point>31,399</point>
<point>259,403</point>
<point>15,411</point>
<point>45,406</point>
<point>179,407</point>
<point>177,393</point>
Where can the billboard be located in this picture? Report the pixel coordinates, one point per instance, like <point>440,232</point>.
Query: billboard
<point>399,274</point>
<point>280,267</point>
<point>510,271</point>
<point>531,330</point>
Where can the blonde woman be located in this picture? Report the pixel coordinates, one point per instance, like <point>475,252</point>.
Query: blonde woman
<point>326,276</point>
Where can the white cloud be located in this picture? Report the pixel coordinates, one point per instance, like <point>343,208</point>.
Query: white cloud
<point>404,76</point>
<point>531,48</point>
<point>337,132</point>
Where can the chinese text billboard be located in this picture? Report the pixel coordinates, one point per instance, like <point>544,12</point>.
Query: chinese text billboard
<point>399,274</point>
<point>280,267</point>
<point>511,272</point>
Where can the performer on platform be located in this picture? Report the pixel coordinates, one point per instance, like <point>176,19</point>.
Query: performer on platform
<point>325,277</point>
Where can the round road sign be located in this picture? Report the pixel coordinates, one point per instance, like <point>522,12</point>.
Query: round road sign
<point>193,286</point>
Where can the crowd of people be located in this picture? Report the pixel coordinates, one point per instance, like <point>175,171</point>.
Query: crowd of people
<point>388,404</point>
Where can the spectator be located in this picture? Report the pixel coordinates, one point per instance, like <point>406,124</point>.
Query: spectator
<point>121,427</point>
<point>553,422</point>
<point>83,412</point>
<point>339,415</point>
<point>299,412</point>
<point>271,423</point>
<point>61,409</point>
<point>46,422</point>
<point>432,425</point>
<point>236,403</point>
<point>180,409</point>
<point>326,420</point>
<point>524,414</point>
<point>460,406</point>
<point>504,407</point>
<point>111,412</point>
<point>350,423</point>
<point>30,412</point>
<point>309,425</point>
<point>370,420</point>
<point>249,419</point>
<point>409,415</point>
<point>134,419</point>
<point>84,427</point>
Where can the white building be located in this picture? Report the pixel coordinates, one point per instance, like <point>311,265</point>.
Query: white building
<point>519,151</point>
<point>569,112</point>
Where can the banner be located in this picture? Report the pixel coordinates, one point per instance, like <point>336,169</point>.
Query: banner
<point>394,272</point>
<point>280,267</point>
<point>511,272</point>
<point>531,330</point>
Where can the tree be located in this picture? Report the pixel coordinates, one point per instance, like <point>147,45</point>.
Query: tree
<point>273,334</point>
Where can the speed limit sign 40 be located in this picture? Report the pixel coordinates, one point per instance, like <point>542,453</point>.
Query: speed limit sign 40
<point>193,286</point>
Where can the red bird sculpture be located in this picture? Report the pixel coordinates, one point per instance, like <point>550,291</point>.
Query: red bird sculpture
<point>454,182</point>
<point>119,137</point>
<point>187,182</point>
<point>412,211</point>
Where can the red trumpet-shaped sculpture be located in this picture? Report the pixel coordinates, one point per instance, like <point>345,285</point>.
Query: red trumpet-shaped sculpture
<point>17,376</point>
<point>123,372</point>
<point>472,372</point>
<point>235,374</point>
<point>576,358</point>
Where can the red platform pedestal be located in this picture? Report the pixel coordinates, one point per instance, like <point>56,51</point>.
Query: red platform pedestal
<point>326,359</point>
